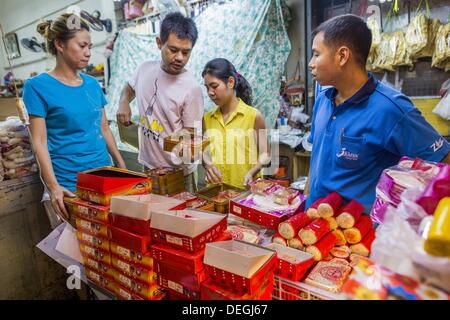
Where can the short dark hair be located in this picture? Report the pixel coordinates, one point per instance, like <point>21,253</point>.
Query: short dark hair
<point>349,30</point>
<point>181,26</point>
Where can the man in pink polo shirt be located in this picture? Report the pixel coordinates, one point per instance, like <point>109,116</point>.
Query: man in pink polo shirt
<point>168,96</point>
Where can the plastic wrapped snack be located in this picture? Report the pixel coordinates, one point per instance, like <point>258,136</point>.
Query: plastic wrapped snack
<point>329,205</point>
<point>402,57</point>
<point>437,189</point>
<point>314,231</point>
<point>323,247</point>
<point>17,157</point>
<point>290,228</point>
<point>329,275</point>
<point>385,53</point>
<point>442,49</point>
<point>284,196</point>
<point>243,233</point>
<point>417,35</point>
<point>373,25</point>
<point>409,173</point>
<point>261,187</point>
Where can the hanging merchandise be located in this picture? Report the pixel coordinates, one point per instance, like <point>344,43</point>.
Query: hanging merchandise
<point>375,28</point>
<point>133,9</point>
<point>441,56</point>
<point>421,34</point>
<point>294,88</point>
<point>95,22</point>
<point>417,35</point>
<point>32,44</point>
<point>107,23</point>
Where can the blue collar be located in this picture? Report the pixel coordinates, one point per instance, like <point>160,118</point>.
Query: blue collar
<point>366,90</point>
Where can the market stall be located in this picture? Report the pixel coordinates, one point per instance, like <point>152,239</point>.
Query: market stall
<point>139,245</point>
<point>135,234</point>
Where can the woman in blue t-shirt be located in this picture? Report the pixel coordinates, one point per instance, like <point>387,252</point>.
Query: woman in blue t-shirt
<point>67,117</point>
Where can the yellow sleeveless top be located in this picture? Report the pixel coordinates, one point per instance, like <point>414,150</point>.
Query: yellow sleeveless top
<point>233,146</point>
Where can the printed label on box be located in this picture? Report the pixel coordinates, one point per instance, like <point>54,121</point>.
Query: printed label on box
<point>174,240</point>
<point>87,237</point>
<point>123,251</point>
<point>175,286</point>
<point>90,250</point>
<point>124,266</point>
<point>124,294</point>
<point>85,224</point>
<point>83,210</point>
<point>94,276</point>
<point>237,209</point>
<point>92,263</point>
<point>125,280</point>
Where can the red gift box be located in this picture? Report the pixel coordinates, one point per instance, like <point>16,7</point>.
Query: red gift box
<point>95,253</point>
<point>141,227</point>
<point>98,266</point>
<point>177,290</point>
<point>100,184</point>
<point>181,282</point>
<point>92,227</point>
<point>211,291</point>
<point>148,291</point>
<point>131,240</point>
<point>135,257</point>
<point>102,280</point>
<point>188,230</point>
<point>93,240</point>
<point>133,213</point>
<point>88,210</point>
<point>133,270</point>
<point>189,262</point>
<point>125,294</point>
<point>291,263</point>
<point>266,219</point>
<point>239,266</point>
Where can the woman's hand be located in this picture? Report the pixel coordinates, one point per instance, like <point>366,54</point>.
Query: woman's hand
<point>248,178</point>
<point>57,195</point>
<point>121,165</point>
<point>213,174</point>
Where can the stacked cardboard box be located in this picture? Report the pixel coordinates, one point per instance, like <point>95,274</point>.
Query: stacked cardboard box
<point>179,240</point>
<point>90,214</point>
<point>167,181</point>
<point>131,244</point>
<point>238,270</point>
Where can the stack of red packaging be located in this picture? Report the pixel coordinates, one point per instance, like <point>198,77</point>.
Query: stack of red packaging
<point>91,211</point>
<point>238,271</point>
<point>179,238</point>
<point>131,244</point>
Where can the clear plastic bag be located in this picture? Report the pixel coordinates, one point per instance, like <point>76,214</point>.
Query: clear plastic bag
<point>442,109</point>
<point>394,243</point>
<point>17,159</point>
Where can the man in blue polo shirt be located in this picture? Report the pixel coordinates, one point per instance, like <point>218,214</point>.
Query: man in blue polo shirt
<point>359,126</point>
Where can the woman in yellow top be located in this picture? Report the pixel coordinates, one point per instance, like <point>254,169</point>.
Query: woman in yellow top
<point>238,146</point>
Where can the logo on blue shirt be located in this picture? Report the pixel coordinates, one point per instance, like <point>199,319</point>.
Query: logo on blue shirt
<point>347,155</point>
<point>437,144</point>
